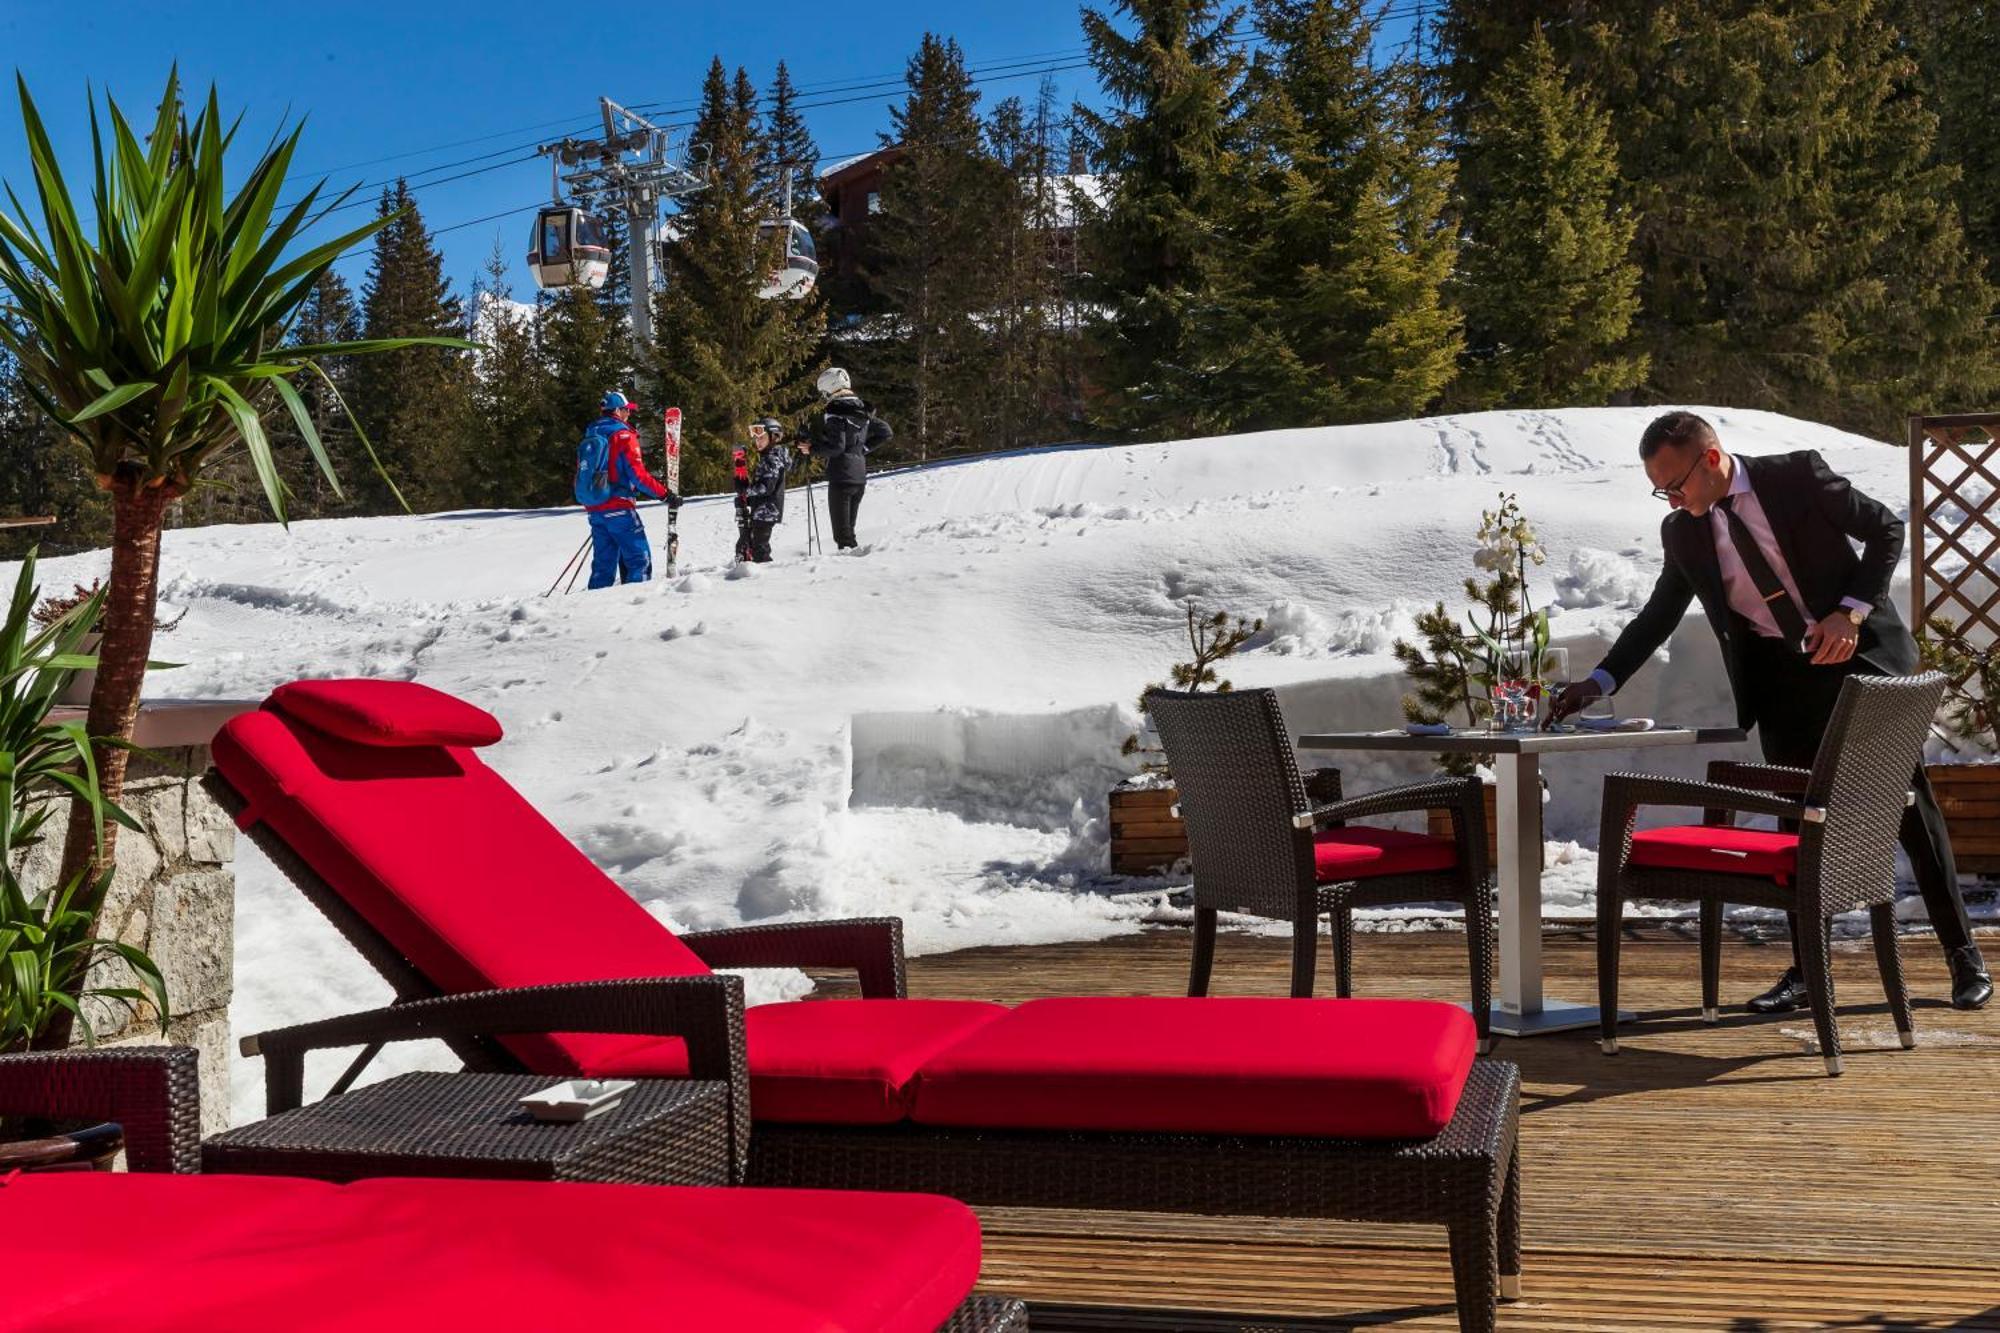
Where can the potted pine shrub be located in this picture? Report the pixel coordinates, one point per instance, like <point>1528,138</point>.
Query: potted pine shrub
<point>1968,784</point>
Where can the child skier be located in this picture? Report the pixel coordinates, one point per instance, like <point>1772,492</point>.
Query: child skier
<point>610,478</point>
<point>764,498</point>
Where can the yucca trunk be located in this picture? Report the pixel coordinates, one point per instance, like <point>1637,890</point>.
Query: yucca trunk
<point>138,512</point>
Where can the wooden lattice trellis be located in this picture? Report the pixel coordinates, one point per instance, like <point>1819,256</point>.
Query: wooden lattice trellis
<point>1954,518</point>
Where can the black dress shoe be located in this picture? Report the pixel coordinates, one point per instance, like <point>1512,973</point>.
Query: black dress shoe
<point>1971,985</point>
<point>1787,995</point>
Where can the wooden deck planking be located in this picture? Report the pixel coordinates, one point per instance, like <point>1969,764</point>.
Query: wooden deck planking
<point>1707,1177</point>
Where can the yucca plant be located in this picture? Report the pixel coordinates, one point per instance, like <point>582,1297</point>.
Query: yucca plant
<point>48,943</point>
<point>155,332</point>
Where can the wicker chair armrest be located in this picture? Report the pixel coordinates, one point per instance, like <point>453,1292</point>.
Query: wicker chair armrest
<point>1430,794</point>
<point>1760,777</point>
<point>1629,791</point>
<point>705,1012</point>
<point>871,946</point>
<point>153,1092</point>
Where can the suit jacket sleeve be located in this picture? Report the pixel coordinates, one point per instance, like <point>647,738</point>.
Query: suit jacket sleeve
<point>1655,623</point>
<point>1864,518</point>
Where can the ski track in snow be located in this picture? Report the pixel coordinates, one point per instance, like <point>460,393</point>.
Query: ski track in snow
<point>970,671</point>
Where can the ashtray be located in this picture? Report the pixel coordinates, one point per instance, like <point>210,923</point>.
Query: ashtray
<point>578,1099</point>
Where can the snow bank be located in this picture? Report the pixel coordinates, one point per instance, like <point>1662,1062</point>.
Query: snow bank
<point>926,726</point>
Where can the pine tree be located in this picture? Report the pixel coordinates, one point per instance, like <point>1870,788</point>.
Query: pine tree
<point>789,151</point>
<point>1021,328</point>
<point>413,403</point>
<point>511,397</point>
<point>1343,223</point>
<point>932,262</point>
<point>328,315</point>
<point>725,356</point>
<point>44,473</point>
<point>587,350</point>
<point>1798,238</point>
<point>1545,271</point>
<point>1956,47</point>
<point>1164,273</point>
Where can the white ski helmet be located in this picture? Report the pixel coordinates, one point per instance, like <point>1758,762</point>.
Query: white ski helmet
<point>833,380</point>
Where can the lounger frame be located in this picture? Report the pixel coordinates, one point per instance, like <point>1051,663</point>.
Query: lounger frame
<point>1466,1179</point>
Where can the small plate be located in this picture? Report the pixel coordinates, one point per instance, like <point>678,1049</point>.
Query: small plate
<point>578,1099</point>
<point>1614,723</point>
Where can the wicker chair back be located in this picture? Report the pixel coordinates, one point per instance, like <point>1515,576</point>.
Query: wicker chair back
<point>1240,789</point>
<point>1861,777</point>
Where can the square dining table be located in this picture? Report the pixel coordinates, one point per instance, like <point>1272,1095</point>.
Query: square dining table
<point>1522,1009</point>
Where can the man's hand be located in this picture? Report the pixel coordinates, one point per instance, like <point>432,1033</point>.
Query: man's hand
<point>1575,696</point>
<point>1833,640</point>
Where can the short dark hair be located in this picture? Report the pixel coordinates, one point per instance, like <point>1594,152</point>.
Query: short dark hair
<point>1673,428</point>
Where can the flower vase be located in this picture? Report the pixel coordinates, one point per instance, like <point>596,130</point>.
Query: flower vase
<point>1514,702</point>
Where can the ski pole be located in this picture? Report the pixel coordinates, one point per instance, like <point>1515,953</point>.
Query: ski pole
<point>812,520</point>
<point>573,560</point>
<point>573,578</point>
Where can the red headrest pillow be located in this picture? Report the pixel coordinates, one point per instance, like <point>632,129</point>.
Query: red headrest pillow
<point>385,712</point>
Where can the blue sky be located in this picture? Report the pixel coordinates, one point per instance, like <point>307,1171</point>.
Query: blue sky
<point>419,87</point>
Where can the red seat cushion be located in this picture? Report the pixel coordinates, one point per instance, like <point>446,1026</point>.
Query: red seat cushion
<point>1358,852</point>
<point>386,712</point>
<point>1718,849</point>
<point>202,1252</point>
<point>1388,1069</point>
<point>848,1062</point>
<point>452,866</point>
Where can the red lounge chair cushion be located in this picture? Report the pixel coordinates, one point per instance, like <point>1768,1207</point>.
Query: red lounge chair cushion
<point>1357,852</point>
<point>829,1062</point>
<point>228,1252</point>
<point>386,712</point>
<point>447,861</point>
<point>1374,1069</point>
<point>1718,849</point>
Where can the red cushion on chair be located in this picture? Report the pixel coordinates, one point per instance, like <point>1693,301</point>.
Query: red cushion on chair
<point>1719,849</point>
<point>1358,852</point>
<point>1388,1069</point>
<point>218,1252</point>
<point>452,866</point>
<point>829,1062</point>
<point>385,712</point>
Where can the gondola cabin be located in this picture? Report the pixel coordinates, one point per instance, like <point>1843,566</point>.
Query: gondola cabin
<point>793,278</point>
<point>567,249</point>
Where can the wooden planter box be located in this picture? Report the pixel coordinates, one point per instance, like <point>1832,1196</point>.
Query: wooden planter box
<point>1147,837</point>
<point>1969,795</point>
<point>1439,822</point>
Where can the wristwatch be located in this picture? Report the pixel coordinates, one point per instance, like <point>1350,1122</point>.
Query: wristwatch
<point>1855,616</point>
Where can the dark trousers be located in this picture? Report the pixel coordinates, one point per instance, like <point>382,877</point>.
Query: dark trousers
<point>760,541</point>
<point>1792,701</point>
<point>843,502</point>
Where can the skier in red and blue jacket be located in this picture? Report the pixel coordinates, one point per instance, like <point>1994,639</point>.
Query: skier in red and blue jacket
<point>611,479</point>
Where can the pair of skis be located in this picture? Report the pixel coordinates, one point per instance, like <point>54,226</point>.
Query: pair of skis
<point>673,434</point>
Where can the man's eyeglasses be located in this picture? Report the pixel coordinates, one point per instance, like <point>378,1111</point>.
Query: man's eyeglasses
<point>1675,491</point>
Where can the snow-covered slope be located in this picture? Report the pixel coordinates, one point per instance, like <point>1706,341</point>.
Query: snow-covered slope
<point>966,676</point>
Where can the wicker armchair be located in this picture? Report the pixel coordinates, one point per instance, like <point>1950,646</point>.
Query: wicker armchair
<point>1834,851</point>
<point>1263,844</point>
<point>151,1091</point>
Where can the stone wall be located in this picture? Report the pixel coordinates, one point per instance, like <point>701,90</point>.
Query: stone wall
<point>174,896</point>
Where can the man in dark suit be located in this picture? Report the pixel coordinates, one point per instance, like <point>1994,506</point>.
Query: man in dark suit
<point>1764,544</point>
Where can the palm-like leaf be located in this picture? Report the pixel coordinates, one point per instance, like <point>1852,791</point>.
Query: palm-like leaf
<point>156,335</point>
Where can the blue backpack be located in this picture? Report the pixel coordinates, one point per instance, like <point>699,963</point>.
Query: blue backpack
<point>593,467</point>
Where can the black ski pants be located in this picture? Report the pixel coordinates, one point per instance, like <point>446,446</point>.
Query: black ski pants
<point>760,541</point>
<point>843,502</point>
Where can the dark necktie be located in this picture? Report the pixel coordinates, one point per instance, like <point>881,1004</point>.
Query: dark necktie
<point>1783,609</point>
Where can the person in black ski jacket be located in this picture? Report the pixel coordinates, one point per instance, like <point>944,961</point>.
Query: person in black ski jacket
<point>765,496</point>
<point>845,434</point>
